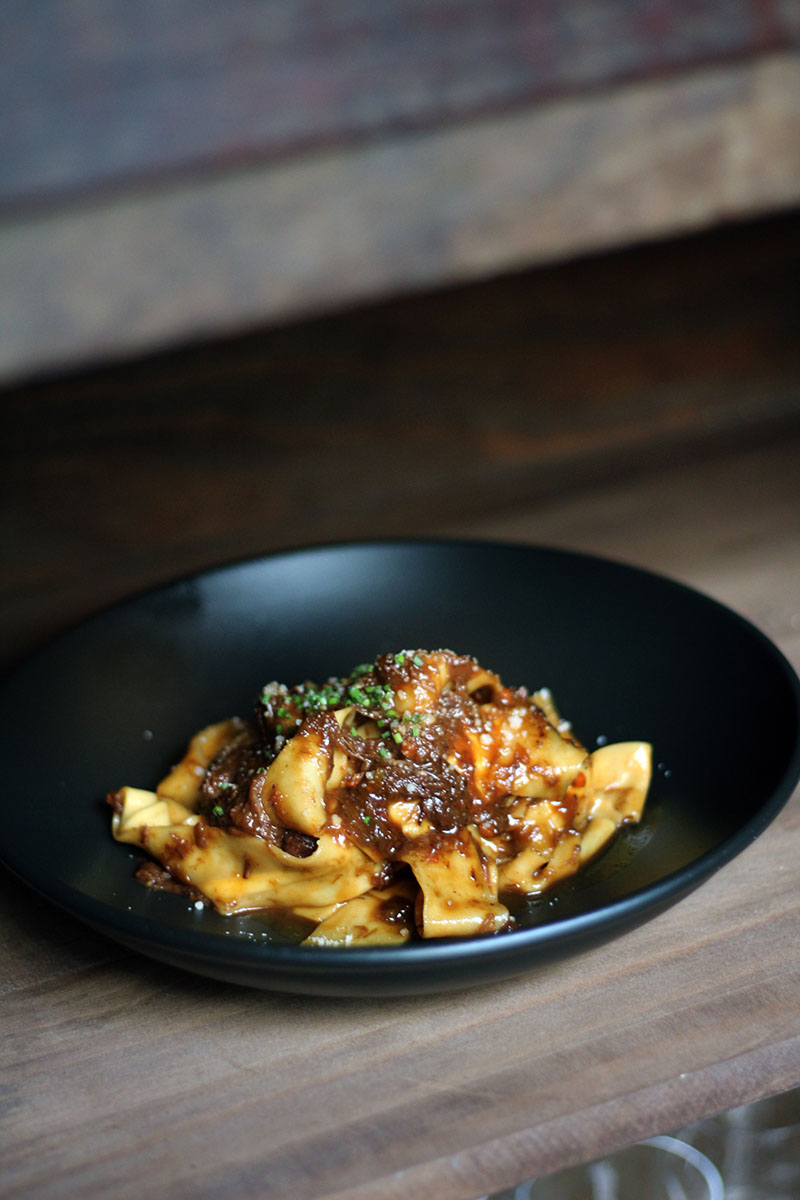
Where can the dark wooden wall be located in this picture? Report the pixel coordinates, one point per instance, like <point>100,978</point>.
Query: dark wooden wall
<point>395,418</point>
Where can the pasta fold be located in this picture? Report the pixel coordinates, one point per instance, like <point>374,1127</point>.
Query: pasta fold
<point>413,798</point>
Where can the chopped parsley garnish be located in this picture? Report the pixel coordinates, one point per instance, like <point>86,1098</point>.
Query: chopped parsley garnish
<point>412,720</point>
<point>218,810</point>
<point>287,707</point>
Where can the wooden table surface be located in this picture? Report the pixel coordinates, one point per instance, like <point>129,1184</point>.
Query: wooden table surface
<point>123,1077</point>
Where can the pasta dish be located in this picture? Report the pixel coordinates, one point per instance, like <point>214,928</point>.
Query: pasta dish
<point>416,797</point>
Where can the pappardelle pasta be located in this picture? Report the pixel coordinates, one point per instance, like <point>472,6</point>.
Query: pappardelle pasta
<point>413,798</point>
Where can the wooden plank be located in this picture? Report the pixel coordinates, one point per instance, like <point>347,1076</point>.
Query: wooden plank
<point>109,1094</point>
<point>228,251</point>
<point>626,406</point>
<point>483,396</point>
<point>105,93</point>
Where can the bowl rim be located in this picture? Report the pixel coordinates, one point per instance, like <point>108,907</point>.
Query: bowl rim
<point>209,946</point>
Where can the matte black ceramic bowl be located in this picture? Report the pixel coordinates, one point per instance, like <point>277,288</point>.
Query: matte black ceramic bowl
<point>628,655</point>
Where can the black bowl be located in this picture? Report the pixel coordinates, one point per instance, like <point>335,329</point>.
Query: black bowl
<point>627,654</point>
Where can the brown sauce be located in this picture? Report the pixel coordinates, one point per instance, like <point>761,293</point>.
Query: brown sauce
<point>411,750</point>
<point>154,876</point>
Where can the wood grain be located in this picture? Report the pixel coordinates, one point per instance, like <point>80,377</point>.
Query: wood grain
<point>389,418</point>
<point>102,94</point>
<point>641,405</point>
<point>123,1076</point>
<point>166,262</point>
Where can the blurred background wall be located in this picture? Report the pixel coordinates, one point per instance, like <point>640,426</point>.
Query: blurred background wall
<point>275,274</point>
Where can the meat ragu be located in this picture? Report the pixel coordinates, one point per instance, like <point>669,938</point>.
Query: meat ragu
<point>406,799</point>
